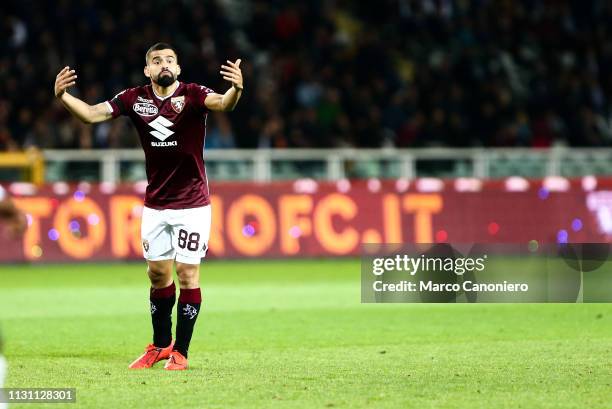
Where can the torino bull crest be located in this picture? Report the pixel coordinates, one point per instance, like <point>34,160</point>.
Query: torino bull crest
<point>177,103</point>
<point>190,311</point>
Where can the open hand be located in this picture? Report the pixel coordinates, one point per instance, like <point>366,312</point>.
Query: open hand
<point>232,73</point>
<point>64,80</point>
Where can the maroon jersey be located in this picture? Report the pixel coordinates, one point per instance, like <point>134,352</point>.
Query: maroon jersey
<point>172,131</point>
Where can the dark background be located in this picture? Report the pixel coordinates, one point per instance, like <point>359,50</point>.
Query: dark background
<point>323,73</point>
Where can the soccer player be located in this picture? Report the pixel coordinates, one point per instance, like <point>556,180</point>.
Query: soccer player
<point>170,117</point>
<point>10,215</point>
<point>16,221</point>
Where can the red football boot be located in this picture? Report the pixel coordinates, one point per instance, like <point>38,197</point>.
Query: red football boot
<point>176,362</point>
<point>151,355</point>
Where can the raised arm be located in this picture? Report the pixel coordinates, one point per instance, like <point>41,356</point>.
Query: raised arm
<point>227,101</point>
<point>87,113</point>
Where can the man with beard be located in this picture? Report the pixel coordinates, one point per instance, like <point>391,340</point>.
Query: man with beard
<point>170,117</point>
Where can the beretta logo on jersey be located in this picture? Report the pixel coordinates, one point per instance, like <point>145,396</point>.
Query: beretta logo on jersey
<point>177,103</point>
<point>145,109</point>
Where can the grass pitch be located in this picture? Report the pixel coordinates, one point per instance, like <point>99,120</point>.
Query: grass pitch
<point>293,334</point>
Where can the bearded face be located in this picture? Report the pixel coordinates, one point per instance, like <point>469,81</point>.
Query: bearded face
<point>165,78</point>
<point>162,67</point>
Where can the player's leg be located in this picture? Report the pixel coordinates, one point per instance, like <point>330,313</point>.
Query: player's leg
<point>162,297</point>
<point>189,304</point>
<point>158,251</point>
<point>192,230</point>
<point>188,309</point>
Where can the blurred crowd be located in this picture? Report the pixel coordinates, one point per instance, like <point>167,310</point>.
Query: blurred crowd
<point>323,73</point>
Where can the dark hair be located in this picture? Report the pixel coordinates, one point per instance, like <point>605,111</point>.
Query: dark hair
<point>157,47</point>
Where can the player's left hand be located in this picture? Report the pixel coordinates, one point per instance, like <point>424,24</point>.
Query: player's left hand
<point>233,74</point>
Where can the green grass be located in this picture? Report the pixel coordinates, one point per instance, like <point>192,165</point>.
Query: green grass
<point>293,334</point>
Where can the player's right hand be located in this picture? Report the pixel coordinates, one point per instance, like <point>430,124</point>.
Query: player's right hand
<point>64,80</point>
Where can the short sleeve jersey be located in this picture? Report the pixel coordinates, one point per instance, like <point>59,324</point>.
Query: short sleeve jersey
<point>172,130</point>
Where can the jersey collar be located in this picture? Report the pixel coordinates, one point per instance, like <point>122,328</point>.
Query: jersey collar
<point>178,84</point>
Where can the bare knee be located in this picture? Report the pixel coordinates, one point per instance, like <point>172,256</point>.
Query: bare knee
<point>160,273</point>
<point>188,275</point>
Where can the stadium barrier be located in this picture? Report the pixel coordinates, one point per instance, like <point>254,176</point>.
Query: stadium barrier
<point>90,222</point>
<point>265,165</point>
<point>30,162</point>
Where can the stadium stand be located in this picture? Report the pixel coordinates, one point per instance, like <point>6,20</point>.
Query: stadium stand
<point>402,73</point>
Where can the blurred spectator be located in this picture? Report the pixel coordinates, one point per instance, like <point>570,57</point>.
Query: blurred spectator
<point>220,135</point>
<point>325,73</point>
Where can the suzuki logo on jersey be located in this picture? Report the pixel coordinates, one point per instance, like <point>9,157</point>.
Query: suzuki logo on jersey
<point>161,132</point>
<point>161,124</point>
<point>145,109</point>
